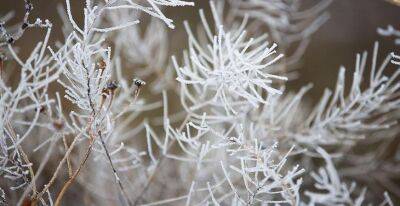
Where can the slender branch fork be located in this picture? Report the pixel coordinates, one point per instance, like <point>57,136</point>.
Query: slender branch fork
<point>76,173</point>
<point>153,174</point>
<point>89,149</point>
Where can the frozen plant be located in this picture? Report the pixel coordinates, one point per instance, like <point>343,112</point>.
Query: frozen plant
<point>332,191</point>
<point>10,38</point>
<point>113,115</point>
<point>230,72</point>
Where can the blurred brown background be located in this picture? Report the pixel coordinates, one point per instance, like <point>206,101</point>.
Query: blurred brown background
<point>351,29</point>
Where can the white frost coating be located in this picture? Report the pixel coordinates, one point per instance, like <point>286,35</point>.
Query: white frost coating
<point>239,138</point>
<point>229,72</point>
<point>151,7</point>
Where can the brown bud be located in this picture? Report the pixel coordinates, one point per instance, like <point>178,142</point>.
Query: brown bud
<point>109,89</point>
<point>58,124</point>
<point>41,109</point>
<point>101,64</point>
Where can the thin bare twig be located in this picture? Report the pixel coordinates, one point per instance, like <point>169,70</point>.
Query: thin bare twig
<point>72,179</point>
<point>68,159</point>
<point>114,170</point>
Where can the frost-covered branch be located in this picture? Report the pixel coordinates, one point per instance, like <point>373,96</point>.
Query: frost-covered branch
<point>342,116</point>
<point>228,74</point>
<point>10,38</point>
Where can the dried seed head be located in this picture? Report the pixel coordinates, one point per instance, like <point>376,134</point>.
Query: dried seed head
<point>110,88</point>
<point>41,109</point>
<point>10,40</point>
<point>232,140</point>
<point>112,85</point>
<point>28,6</point>
<point>58,124</point>
<point>263,147</point>
<point>101,64</point>
<point>139,82</point>
<point>24,25</point>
